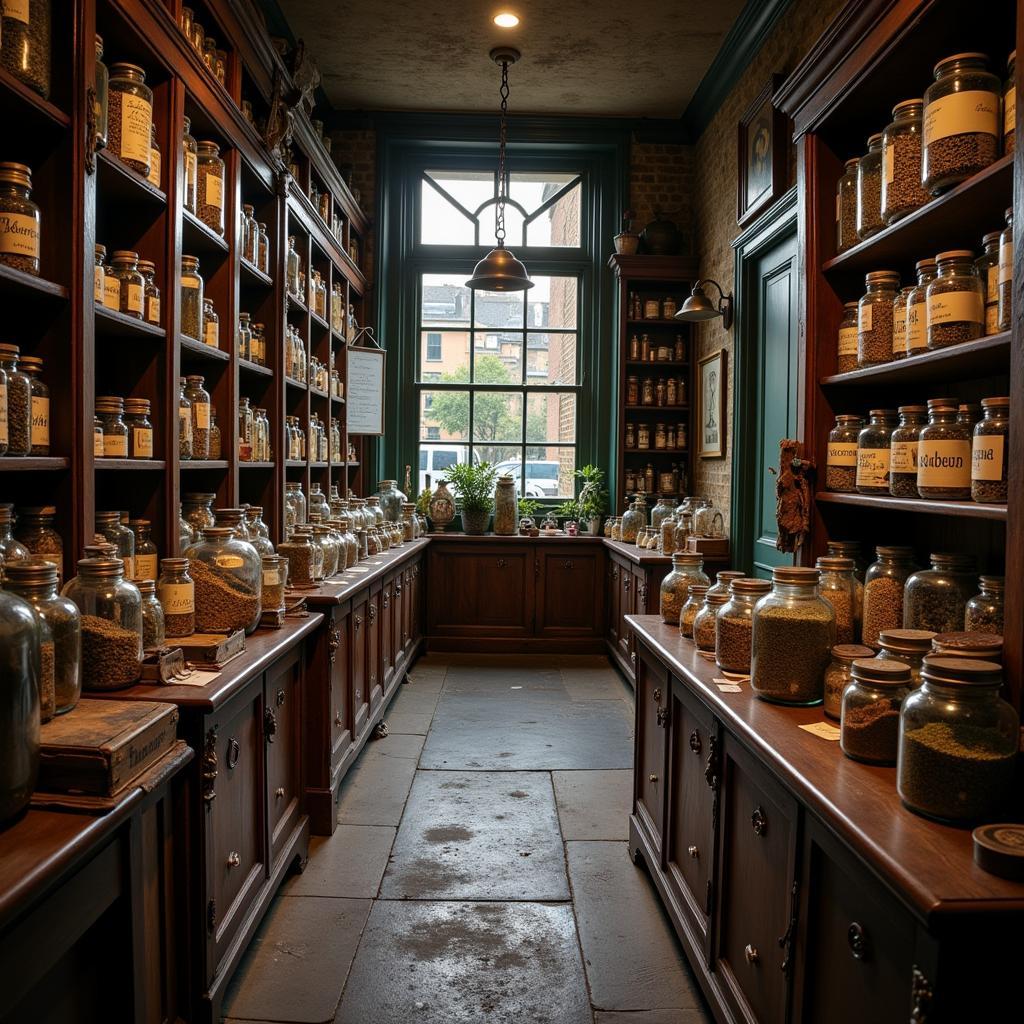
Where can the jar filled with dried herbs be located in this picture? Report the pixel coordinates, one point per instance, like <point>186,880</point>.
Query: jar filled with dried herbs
<point>984,611</point>
<point>869,190</point>
<point>39,408</point>
<point>197,510</point>
<point>20,222</point>
<point>851,549</point>
<point>987,268</point>
<point>210,186</point>
<point>634,517</point>
<point>1010,105</point>
<point>153,628</point>
<point>870,718</point>
<point>972,645</point>
<point>793,636</point>
<point>944,454</point>
<point>687,568</point>
<point>956,300</point>
<point>99,274</point>
<point>184,423</point>
<point>990,450</point>
<point>226,573</point>
<point>1005,271</point>
<point>275,580</point>
<point>705,622</point>
<point>693,604</point>
<point>147,559</point>
<point>176,592</point>
<point>263,248</point>
<point>883,591</point>
<point>958,742</point>
<point>215,440</point>
<point>899,322</point>
<point>199,399</point>
<point>903,451</point>
<point>734,624</point>
<point>846,349</point>
<point>873,452</point>
<point>846,207</point>
<point>191,285</point>
<point>151,299</point>
<point>936,598</point>
<point>130,129</point>
<point>211,324</point>
<point>874,318</point>
<point>25,52</point>
<point>910,646</point>
<point>917,307</point>
<point>124,266</point>
<point>19,402</point>
<point>901,162</point>
<point>298,549</point>
<point>190,150</point>
<point>36,531</point>
<point>836,585</point>
<point>838,675</point>
<point>110,409</point>
<point>841,457</point>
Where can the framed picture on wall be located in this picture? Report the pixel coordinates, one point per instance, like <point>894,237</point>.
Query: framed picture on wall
<point>711,387</point>
<point>762,148</point>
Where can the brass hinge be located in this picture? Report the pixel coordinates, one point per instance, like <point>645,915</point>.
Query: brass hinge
<point>211,915</point>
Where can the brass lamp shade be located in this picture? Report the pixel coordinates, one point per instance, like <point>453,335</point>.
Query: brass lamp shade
<point>500,271</point>
<point>698,306</point>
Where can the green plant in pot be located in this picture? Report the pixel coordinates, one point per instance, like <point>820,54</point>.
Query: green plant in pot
<point>528,508</point>
<point>592,501</point>
<point>474,487</point>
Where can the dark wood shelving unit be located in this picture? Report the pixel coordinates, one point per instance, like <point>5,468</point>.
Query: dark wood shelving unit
<point>656,408</point>
<point>199,240</point>
<point>201,350</point>
<point>253,275</point>
<point>194,465</point>
<point>113,323</point>
<point>884,503</point>
<point>134,465</point>
<point>245,366</point>
<point>124,184</point>
<point>18,284</point>
<point>33,464</point>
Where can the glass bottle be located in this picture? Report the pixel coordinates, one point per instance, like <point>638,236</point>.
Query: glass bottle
<point>846,207</point>
<point>154,177</point>
<point>634,517</point>
<point>958,742</point>
<point>687,568</point>
<point>99,275</point>
<point>903,451</point>
<point>665,508</point>
<point>1005,271</point>
<point>295,506</point>
<point>185,535</point>
<point>705,622</point>
<point>115,431</point>
<point>259,535</point>
<point>109,526</point>
<point>956,300</point>
<point>869,190</point>
<point>907,645</point>
<point>20,221</point>
<point>245,337</point>
<point>153,627</point>
<point>350,541</point>
<point>249,232</point>
<point>723,582</point>
<point>899,322</point>
<point>870,717</point>
<point>199,399</point>
<point>734,624</point>
<point>883,590</point>
<point>873,451</point>
<point>263,248</point>
<point>36,533</point>
<point>124,266</point>
<point>274,581</point>
<point>901,162</point>
<point>184,423</point>
<point>838,675</point>
<point>837,587</point>
<point>19,402</point>
<point>39,428</point>
<point>210,186</point>
<point>691,607</point>
<point>191,289</point>
<point>131,116</point>
<point>233,519</point>
<point>292,268</point>
<point>151,299</point>
<point>944,454</point>
<point>846,348</point>
<point>986,266</point>
<point>177,593</point>
<point>198,511</point>
<point>191,156</point>
<point>11,550</point>
<point>917,307</point>
<point>1010,105</point>
<point>102,77</point>
<point>25,53</point>
<point>299,551</point>
<point>146,565</point>
<point>226,573</point>
<point>936,598</point>
<point>990,450</point>
<point>874,318</point>
<point>211,325</point>
<point>19,702</point>
<point>841,453</point>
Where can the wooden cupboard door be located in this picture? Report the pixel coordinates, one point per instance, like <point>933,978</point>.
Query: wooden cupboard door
<point>236,862</point>
<point>569,593</point>
<point>374,685</point>
<point>650,749</point>
<point>340,697</point>
<point>359,701</point>
<point>754,896</point>
<point>282,725</point>
<point>856,943</point>
<point>387,633</point>
<point>627,597</point>
<point>692,794</point>
<point>612,604</point>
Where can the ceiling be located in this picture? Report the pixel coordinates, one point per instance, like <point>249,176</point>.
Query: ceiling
<point>582,57</point>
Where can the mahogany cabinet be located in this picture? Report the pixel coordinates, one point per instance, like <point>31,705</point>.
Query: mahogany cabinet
<point>569,596</point>
<point>632,588</point>
<point>650,778</point>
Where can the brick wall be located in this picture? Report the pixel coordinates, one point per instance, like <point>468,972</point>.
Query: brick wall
<point>355,153</point>
<point>661,179</point>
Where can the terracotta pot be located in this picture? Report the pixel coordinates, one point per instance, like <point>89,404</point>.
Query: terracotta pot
<point>627,243</point>
<point>475,522</point>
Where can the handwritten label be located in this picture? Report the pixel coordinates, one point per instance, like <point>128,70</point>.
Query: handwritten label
<point>958,113</point>
<point>146,567</point>
<point>822,730</point>
<point>1005,262</point>
<point>872,467</point>
<point>917,324</point>
<point>956,307</point>
<point>98,279</point>
<point>864,318</point>
<point>154,168</point>
<point>842,453</point>
<point>16,9</point>
<point>136,294</point>
<point>365,407</point>
<point>3,413</point>
<point>987,457</point>
<point>115,446</point>
<point>136,128</point>
<point>214,186</point>
<point>142,442</point>
<point>847,341</point>
<point>903,457</point>
<point>1010,110</point>
<point>201,412</point>
<point>177,598</point>
<point>153,309</point>
<point>19,234</point>
<point>40,421</point>
<point>943,463</point>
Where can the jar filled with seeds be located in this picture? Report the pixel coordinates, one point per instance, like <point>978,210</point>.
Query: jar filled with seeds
<point>293,269</point>
<point>961,121</point>
<point>350,540</point>
<point>687,568</point>
<point>19,703</point>
<point>793,636</point>
<point>873,452</point>
<point>901,162</point>
<point>199,399</point>
<point>147,560</point>
<point>39,409</point>
<point>944,454</point>
<point>210,186</point>
<point>25,52</point>
<point>1005,271</point>
<point>664,508</point>
<point>184,423</point>
<point>705,622</point>
<point>870,718</point>
<point>130,128</point>
<point>263,248</point>
<point>917,308</point>
<point>984,611</point>
<point>177,594</point>
<point>226,572</point>
<point>36,532</point>
<point>191,285</point>
<point>211,324</point>
<point>964,644</point>
<point>198,510</point>
<point>153,628</point>
<point>154,159</point>
<point>899,322</point>
<point>958,742</point>
<point>903,451</point>
<point>295,508</point>
<point>936,598</point>
<point>20,222</point>
<point>990,452</point>
<point>131,285</point>
<point>846,350</point>
<point>907,645</point>
<point>11,550</point>
<point>110,527</point>
<point>190,150</point>
<point>110,409</point>
<point>836,585</point>
<point>734,625</point>
<point>275,579</point>
<point>883,591</point>
<point>723,581</point>
<point>846,207</point>
<point>111,611</point>
<point>986,266</point>
<point>298,549</point>
<point>1010,105</point>
<point>19,402</point>
<point>693,604</point>
<point>956,300</point>
<point>869,190</point>
<point>838,675</point>
<point>634,517</point>
<point>151,299</point>
<point>874,318</point>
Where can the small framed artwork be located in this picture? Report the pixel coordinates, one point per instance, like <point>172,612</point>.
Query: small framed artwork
<point>762,149</point>
<point>712,384</point>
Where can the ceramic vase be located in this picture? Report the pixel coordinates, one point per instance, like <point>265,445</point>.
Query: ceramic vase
<point>442,508</point>
<point>505,507</point>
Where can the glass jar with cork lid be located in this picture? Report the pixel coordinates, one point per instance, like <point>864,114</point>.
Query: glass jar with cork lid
<point>874,318</point>
<point>130,117</point>
<point>902,192</point>
<point>936,598</point>
<point>990,452</point>
<point>917,307</point>
<point>176,591</point>
<point>956,300</point>
<point>846,207</point>
<point>210,186</point>
<point>869,190</point>
<point>910,646</point>
<point>944,454</point>
<point>20,221</point>
<point>873,452</point>
<point>226,573</point>
<point>903,451</point>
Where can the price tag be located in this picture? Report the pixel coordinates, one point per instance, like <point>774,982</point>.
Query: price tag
<point>822,730</point>
<point>727,686</point>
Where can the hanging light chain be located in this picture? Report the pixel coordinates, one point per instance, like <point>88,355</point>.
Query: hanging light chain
<point>499,209</point>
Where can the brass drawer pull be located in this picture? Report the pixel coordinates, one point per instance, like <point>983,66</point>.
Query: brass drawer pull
<point>234,859</point>
<point>857,939</point>
<point>234,751</point>
<point>759,821</point>
<point>502,563</point>
<point>652,777</point>
<point>751,954</point>
<point>279,792</point>
<point>693,852</point>
<point>695,743</point>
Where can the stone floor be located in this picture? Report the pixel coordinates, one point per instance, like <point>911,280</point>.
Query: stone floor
<point>480,869</point>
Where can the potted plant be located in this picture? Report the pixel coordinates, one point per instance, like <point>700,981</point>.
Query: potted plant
<point>569,512</point>
<point>474,488</point>
<point>627,241</point>
<point>592,500</point>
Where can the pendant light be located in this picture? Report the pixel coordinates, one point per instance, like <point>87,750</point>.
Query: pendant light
<point>499,270</point>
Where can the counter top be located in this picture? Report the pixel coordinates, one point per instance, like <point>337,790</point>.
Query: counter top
<point>636,555</point>
<point>339,589</point>
<point>930,865</point>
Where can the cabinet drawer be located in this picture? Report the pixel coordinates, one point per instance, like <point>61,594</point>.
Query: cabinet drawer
<point>282,723</point>
<point>754,889</point>
<point>337,659</point>
<point>651,745</point>
<point>358,668</point>
<point>374,629</point>
<point>569,595</point>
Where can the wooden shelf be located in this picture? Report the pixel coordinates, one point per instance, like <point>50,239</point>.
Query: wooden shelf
<point>297,384</point>
<point>32,463</point>
<point>256,465</point>
<point>662,364</point>
<point>203,464</point>
<point>198,239</point>
<point>18,283</point>
<point>295,463</point>
<point>656,408</point>
<point>249,367</point>
<point>16,99</point>
<point>984,357</point>
<point>882,503</point>
<point>318,392</point>
<point>655,451</point>
<point>319,465</point>
<point>197,349</point>
<point>319,320</point>
<point>680,324</point>
<point>115,324</point>
<point>338,336</point>
<point>295,304</point>
<point>120,184</point>
<point>253,275</point>
<point>134,464</point>
<point>335,398</point>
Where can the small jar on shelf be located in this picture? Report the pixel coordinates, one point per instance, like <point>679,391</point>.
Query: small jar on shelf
<point>903,451</point>
<point>869,190</point>
<point>151,296</point>
<point>917,308</point>
<point>20,221</point>
<point>936,598</point>
<point>1005,271</point>
<point>262,248</point>
<point>176,591</point>
<point>910,646</point>
<point>210,186</point>
<point>837,586</point>
<point>293,270</point>
<point>705,622</point>
<point>846,349</point>
<point>130,128</point>
<point>37,533</point>
<point>899,322</point>
<point>692,606</point>
<point>250,234</point>
<point>870,717</point>
<point>839,674</point>
<point>124,266</point>
<point>199,400</point>
<point>902,192</point>
<point>154,177</point>
<point>846,207</point>
<point>873,452</point>
<point>184,423</point>
<point>245,338</point>
<point>956,300</point>
<point>191,294</point>
<point>211,325</point>
<point>990,451</point>
<point>215,440</point>
<point>146,557</point>
<point>154,635</point>
<point>874,318</point>
<point>883,591</point>
<point>190,149</point>
<point>19,403</point>
<point>39,407</point>
<point>984,611</point>
<point>197,511</point>
<point>140,428</point>
<point>1010,105</point>
<point>734,625</point>
<point>987,268</point>
<point>99,274</point>
<point>944,454</point>
<point>110,409</point>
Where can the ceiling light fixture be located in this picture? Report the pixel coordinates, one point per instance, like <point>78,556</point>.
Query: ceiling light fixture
<point>499,270</point>
<point>506,19</point>
<point>699,307</point>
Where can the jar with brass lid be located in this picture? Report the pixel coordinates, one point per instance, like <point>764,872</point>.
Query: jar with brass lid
<point>910,646</point>
<point>152,293</point>
<point>263,248</point>
<point>903,451</point>
<point>197,510</point>
<point>873,452</point>
<point>1010,105</point>
<point>20,221</point>
<point>902,192</point>
<point>944,454</point>
<point>734,624</point>
<point>147,562</point>
<point>210,186</point>
<point>694,603</point>
<point>984,611</point>
<point>705,622</point>
<point>956,300</point>
<point>211,324</point>
<point>130,128</point>
<point>869,190</point>
<point>140,429</point>
<point>110,527</point>
<point>841,453</point>
<point>110,409</point>
<point>39,409</point>
<point>936,598</point>
<point>967,644</point>
<point>199,399</point>
<point>124,266</point>
<point>838,675</point>
<point>917,307</point>
<point>687,568</point>
<point>870,715</point>
<point>226,573</point>
<point>986,266</point>
<point>874,318</point>
<point>990,452</point>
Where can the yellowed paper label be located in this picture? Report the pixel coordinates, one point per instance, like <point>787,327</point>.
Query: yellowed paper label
<point>899,334</point>
<point>271,577</point>
<point>153,309</point>
<point>974,110</point>
<point>98,280</point>
<point>848,341</point>
<point>872,467</point>
<point>210,333</point>
<point>228,561</point>
<point>842,453</point>
<point>1010,110</point>
<point>1005,262</point>
<point>864,318</point>
<point>954,307</point>
<point>19,235</point>
<point>146,567</point>
<point>987,457</point>
<point>992,318</point>
<point>142,442</point>
<point>136,297</point>
<point>185,415</point>
<point>943,463</point>
<point>129,568</point>
<point>214,191</point>
<point>97,442</point>
<point>16,9</point>
<point>177,598</point>
<point>154,168</point>
<point>992,284</point>
<point>822,730</point>
<point>917,324</point>
<point>202,414</point>
<point>115,446</point>
<point>191,170</point>
<point>903,457</point>
<point>3,413</point>
<point>111,292</point>
<point>40,421</point>
<point>136,128</point>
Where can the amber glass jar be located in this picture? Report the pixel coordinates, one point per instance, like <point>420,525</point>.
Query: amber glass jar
<point>874,318</point>
<point>873,452</point>
<point>869,190</point>
<point>883,591</point>
<point>210,186</point>
<point>20,225</point>
<point>19,402</point>
<point>917,307</point>
<point>147,559</point>
<point>903,451</point>
<point>944,454</point>
<point>1010,105</point>
<point>956,300</point>
<point>110,409</point>
<point>846,349</point>
<point>902,192</point>
<point>211,324</point>
<point>846,207</point>
<point>990,451</point>
<point>1005,271</point>
<point>191,156</point>
<point>152,293</point>
<point>130,128</point>
<point>39,427</point>
<point>124,265</point>
<point>154,159</point>
<point>987,268</point>
<point>25,52</point>
<point>936,598</point>
<point>199,399</point>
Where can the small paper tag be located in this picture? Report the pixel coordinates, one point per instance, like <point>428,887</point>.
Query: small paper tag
<point>726,687</point>
<point>822,730</point>
<point>199,677</point>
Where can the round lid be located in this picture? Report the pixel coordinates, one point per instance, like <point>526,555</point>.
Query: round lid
<point>852,162</point>
<point>911,641</point>
<point>999,850</point>
<point>16,174</point>
<point>849,418</point>
<point>31,570</point>
<point>952,671</point>
<point>992,238</point>
<point>1001,402</point>
<point>881,671</point>
<point>851,652</point>
<point>750,585</point>
<point>874,140</point>
<point>912,410</point>
<point>174,564</point>
<point>123,67</point>
<point>954,254</point>
<point>942,403</point>
<point>202,496</point>
<point>880,276</point>
<point>906,106</point>
<point>124,256</point>
<point>36,511</point>
<point>219,532</point>
<point>725,575</point>
<point>925,264</point>
<point>710,597</point>
<point>988,582</point>
<point>687,558</point>
<point>697,589</point>
<point>885,414</point>
<point>795,574</point>
<point>958,58</point>
<point>967,643</point>
<point>952,560</point>
<point>848,547</point>
<point>146,586</point>
<point>836,563</point>
<point>101,565</point>
<point>894,551</point>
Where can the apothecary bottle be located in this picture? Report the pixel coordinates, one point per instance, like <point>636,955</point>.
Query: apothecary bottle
<point>837,586</point>
<point>903,451</point>
<point>984,611</point>
<point>910,646</point>
<point>184,423</point>
<point>735,622</point>
<point>147,560</point>
<point>226,573</point>
<point>124,266</point>
<point>20,221</point>
<point>899,322</point>
<point>211,324</point>
<point>687,568</point>
<point>39,407</point>
<point>210,186</point>
<point>19,402</point>
<point>846,207</point>
<point>874,318</point>
<point>102,79</point>
<point>11,550</point>
<point>154,630</point>
<point>25,52</point>
<point>793,636</point>
<point>986,266</point>
<point>259,535</point>
<point>1005,271</point>
<point>176,592</point>
<point>131,116</point>
<point>154,159</point>
<point>664,508</point>
<point>917,307</point>
<point>110,409</point>
<point>870,716</point>
<point>961,121</point>
<point>990,449</point>
<point>293,267</point>
<point>936,598</point>
<point>846,349</point>
<point>944,454</point>
<point>191,284</point>
<point>1010,105</point>
<point>295,507</point>
<point>634,517</point>
<point>199,399</point>
<point>110,527</point>
<point>705,622</point>
<point>956,300</point>
<point>873,452</point>
<point>198,510</point>
<point>275,580</point>
<point>263,248</point>
<point>902,192</point>
<point>249,234</point>
<point>99,275</point>
<point>838,675</point>
<point>883,590</point>
<point>958,742</point>
<point>691,607</point>
<point>36,532</point>
<point>151,295</point>
<point>301,555</point>
<point>191,157</point>
<point>111,610</point>
<point>19,702</point>
<point>841,453</point>
<point>869,190</point>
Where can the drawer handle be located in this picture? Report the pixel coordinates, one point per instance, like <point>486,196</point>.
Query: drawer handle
<point>234,752</point>
<point>693,852</point>
<point>371,612</point>
<point>695,743</point>
<point>234,859</point>
<point>270,724</point>
<point>280,698</point>
<point>652,777</point>
<point>279,792</point>
<point>759,821</point>
<point>338,720</point>
<point>751,954</point>
<point>663,716</point>
<point>502,563</point>
<point>641,593</point>
<point>857,939</point>
<point>657,695</point>
<point>567,564</point>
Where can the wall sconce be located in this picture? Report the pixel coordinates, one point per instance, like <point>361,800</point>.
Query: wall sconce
<point>699,307</point>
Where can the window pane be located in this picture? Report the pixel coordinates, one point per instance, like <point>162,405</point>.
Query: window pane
<point>468,188</point>
<point>497,357</point>
<point>448,411</point>
<point>551,358</point>
<point>506,456</point>
<point>553,302</point>
<point>498,416</point>
<point>559,224</point>
<point>533,188</point>
<point>436,459</point>
<point>498,309</point>
<point>444,355</point>
<point>441,223</point>
<point>551,418</point>
<point>444,300</point>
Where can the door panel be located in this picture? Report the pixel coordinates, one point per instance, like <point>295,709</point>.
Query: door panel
<point>650,749</point>
<point>374,688</point>
<point>338,661</point>
<point>569,594</point>
<point>387,633</point>
<point>282,725</point>
<point>357,661</point>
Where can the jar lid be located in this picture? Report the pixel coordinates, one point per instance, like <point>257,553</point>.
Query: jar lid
<point>253,511</point>
<point>725,575</point>
<point>850,305</point>
<point>750,585</point>
<point>1002,402</point>
<point>108,517</point>
<point>925,264</point>
<point>192,378</point>
<point>697,589</point>
<point>946,61</point>
<point>894,551</point>
<point>192,261</point>
<point>711,598</point>
<point>875,139</point>
<point>968,408</point>
<point>16,174</point>
<point>795,574</point>
<point>687,558</point>
<point>954,254</point>
<point>31,364</point>
<point>139,406</point>
<point>101,250</point>
<point>942,403</point>
<point>145,586</point>
<point>218,532</point>
<point>999,850</point>
<point>124,68</point>
<point>835,563</point>
<point>990,239</point>
<point>42,511</point>
<point>912,410</point>
<point>201,496</point>
<point>101,566</point>
<point>906,105</point>
<point>990,582</point>
<point>273,559</point>
<point>952,560</point>
<point>208,147</point>
<point>173,564</point>
<point>146,266</point>
<point>100,550</point>
<point>849,418</point>
<point>852,162</point>
<point>951,671</point>
<point>888,414</point>
<point>907,641</point>
<point>968,644</point>
<point>851,652</point>
<point>881,276</point>
<point>137,524</point>
<point>124,256</point>
<point>881,672</point>
<point>837,547</point>
<point>31,571</point>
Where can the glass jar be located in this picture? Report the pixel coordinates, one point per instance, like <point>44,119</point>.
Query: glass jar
<point>36,533</point>
<point>191,290</point>
<point>99,275</point>
<point>295,508</point>
<point>643,435</point>
<point>102,79</point>
<point>917,308</point>
<point>667,538</point>
<point>177,593</point>
<point>245,337</point>
<point>723,581</point>
<point>20,222</point>
<point>708,521</point>
<point>302,559</point>
<point>907,645</point>
<point>39,409</point>
<point>324,537</point>
<point>838,675</point>
<point>1010,105</point>
<point>956,301</point>
<point>961,121</point>
<point>963,644</point>
<point>846,207</point>
<point>153,628</point>
<point>687,568</point>
<point>130,128</point>
<point>984,611</point>
<point>634,517</point>
<point>837,586</point>
<point>137,427</point>
<point>199,399</point>
<point>210,186</point>
<point>184,423</point>
<point>111,609</point>
<point>903,451</point>
<point>211,324</point>
<point>109,526</point>
<point>19,403</point>
<point>846,348</point>
<point>705,622</point>
<point>899,322</point>
<point>151,296</point>
<point>901,162</point>
<point>1005,272</point>
<point>350,540</point>
<point>409,526</point>
<point>154,177</point>
<point>317,503</point>
<point>249,232</point>
<point>873,451</point>
<point>293,267</point>
<point>263,248</point>
<point>25,53</point>
<point>215,441</point>
<point>664,508</point>
<point>870,718</point>
<point>793,636</point>
<point>936,598</point>
<point>146,561</point>
<point>259,534</point>
<point>226,573</point>
<point>874,318</point>
<point>11,550</point>
<point>234,520</point>
<point>391,500</point>
<point>958,742</point>
<point>693,604</point>
<point>190,149</point>
<point>198,511</point>
<point>944,454</point>
<point>883,591</point>
<point>735,623</point>
<point>869,190</point>
<point>19,702</point>
<point>275,580</point>
<point>986,266</point>
<point>989,452</point>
